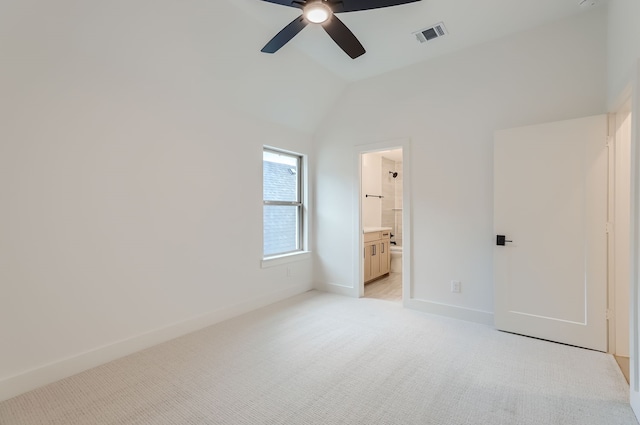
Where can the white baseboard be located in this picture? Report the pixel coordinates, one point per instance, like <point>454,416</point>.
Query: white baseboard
<point>456,312</point>
<point>37,377</point>
<point>334,288</point>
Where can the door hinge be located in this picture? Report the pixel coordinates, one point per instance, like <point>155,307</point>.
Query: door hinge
<point>609,314</point>
<point>609,227</point>
<point>608,141</point>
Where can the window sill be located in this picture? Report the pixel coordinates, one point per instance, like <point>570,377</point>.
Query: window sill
<point>285,259</point>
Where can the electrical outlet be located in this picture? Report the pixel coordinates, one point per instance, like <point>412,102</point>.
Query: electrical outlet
<point>456,286</point>
<point>289,272</point>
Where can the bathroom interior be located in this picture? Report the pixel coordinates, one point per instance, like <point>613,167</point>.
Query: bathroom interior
<point>381,181</point>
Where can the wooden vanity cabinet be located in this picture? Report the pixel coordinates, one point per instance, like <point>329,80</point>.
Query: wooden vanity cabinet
<point>377,261</point>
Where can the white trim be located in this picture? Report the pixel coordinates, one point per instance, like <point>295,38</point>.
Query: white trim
<point>611,200</point>
<point>358,272</point>
<point>456,312</point>
<point>335,288</point>
<point>634,326</point>
<point>45,374</point>
<point>279,260</point>
<point>303,228</point>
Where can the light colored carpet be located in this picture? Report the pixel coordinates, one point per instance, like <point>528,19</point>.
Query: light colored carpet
<point>325,359</point>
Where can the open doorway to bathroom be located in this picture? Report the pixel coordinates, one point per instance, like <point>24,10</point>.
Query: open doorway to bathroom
<point>382,177</point>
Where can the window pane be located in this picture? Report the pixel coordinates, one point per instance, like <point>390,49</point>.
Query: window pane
<point>280,229</point>
<point>280,177</point>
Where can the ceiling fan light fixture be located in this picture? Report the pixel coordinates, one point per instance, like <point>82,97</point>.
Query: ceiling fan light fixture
<point>325,12</point>
<point>317,12</point>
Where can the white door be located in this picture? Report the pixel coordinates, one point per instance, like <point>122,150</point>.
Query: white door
<point>550,200</point>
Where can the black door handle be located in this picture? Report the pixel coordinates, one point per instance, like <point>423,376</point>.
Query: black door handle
<point>501,240</point>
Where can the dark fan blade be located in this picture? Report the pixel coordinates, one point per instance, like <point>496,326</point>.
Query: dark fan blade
<point>355,5</point>
<point>292,3</point>
<point>343,37</point>
<point>285,35</point>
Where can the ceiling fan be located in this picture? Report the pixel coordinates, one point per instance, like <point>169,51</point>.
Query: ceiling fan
<point>323,12</point>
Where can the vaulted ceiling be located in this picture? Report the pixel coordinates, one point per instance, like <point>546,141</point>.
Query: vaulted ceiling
<point>388,34</point>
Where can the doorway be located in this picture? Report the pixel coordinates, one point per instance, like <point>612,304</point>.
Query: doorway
<point>384,221</point>
<point>381,183</point>
<point>619,229</point>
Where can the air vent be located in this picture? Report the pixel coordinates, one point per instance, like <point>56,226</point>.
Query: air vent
<point>431,33</point>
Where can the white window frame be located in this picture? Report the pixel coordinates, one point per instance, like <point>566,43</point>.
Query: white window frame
<point>301,203</point>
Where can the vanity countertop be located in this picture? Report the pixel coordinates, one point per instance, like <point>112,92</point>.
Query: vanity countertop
<point>375,229</point>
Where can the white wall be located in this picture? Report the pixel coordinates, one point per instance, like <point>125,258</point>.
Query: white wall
<point>450,108</point>
<point>372,185</point>
<point>623,49</point>
<point>131,175</point>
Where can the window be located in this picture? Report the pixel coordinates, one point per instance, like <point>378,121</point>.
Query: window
<point>283,208</point>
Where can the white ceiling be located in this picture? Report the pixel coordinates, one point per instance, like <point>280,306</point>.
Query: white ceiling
<point>387,35</point>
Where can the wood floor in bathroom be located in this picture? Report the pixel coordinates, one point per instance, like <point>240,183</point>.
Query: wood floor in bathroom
<point>385,288</point>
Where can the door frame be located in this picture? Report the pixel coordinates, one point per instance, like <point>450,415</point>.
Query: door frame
<point>358,272</point>
<point>614,228</point>
<point>634,290</point>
